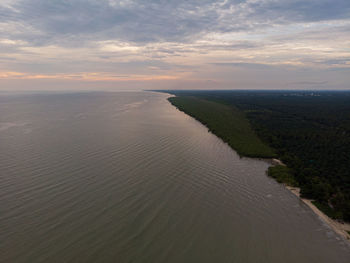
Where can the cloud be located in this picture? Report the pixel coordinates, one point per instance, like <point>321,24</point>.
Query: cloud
<point>243,65</point>
<point>173,38</point>
<point>72,22</point>
<point>83,76</point>
<point>289,11</point>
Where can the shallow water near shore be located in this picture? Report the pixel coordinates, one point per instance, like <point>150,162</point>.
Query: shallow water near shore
<point>126,177</point>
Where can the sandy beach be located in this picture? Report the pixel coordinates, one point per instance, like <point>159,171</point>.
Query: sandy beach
<point>339,227</point>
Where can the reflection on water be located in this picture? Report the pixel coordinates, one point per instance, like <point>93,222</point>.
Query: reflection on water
<point>125,177</point>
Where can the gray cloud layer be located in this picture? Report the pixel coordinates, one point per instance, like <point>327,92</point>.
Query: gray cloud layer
<point>66,22</point>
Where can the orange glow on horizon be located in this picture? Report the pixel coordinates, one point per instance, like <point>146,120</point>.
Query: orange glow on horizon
<point>87,76</point>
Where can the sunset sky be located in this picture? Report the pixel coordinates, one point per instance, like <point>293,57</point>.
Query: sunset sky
<point>155,44</point>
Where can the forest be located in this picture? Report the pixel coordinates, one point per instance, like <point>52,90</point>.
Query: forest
<point>308,130</point>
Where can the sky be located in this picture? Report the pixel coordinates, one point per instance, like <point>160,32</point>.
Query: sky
<point>174,44</point>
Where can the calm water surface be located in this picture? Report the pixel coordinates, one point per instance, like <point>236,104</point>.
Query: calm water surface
<point>125,177</point>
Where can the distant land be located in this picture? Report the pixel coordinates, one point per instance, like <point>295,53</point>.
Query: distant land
<point>309,131</point>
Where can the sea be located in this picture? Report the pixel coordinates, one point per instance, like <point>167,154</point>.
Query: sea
<point>126,177</point>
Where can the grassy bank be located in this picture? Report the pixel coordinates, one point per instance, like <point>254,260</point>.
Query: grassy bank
<point>227,122</point>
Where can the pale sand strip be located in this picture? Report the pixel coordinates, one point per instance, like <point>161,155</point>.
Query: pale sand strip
<point>338,227</point>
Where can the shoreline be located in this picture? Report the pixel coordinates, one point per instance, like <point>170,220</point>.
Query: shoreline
<point>340,228</point>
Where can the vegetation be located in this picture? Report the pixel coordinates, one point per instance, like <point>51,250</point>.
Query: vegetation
<point>310,132</point>
<point>282,174</point>
<point>226,122</point>
<point>329,211</point>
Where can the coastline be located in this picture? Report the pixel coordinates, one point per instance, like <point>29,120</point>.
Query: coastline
<point>338,227</point>
<point>341,228</point>
<point>229,124</point>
